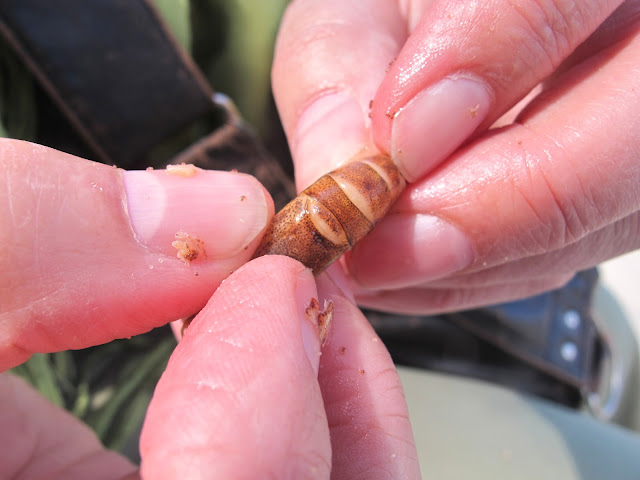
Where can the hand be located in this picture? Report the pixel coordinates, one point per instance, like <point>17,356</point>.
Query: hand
<point>551,189</point>
<point>89,246</point>
<point>87,258</point>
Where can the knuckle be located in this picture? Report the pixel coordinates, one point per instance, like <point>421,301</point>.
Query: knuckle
<point>558,210</point>
<point>549,30</point>
<point>303,38</point>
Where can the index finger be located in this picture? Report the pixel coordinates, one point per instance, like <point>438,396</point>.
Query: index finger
<point>467,63</point>
<point>330,59</point>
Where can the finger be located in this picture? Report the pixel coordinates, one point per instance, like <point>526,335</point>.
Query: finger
<point>568,170</point>
<point>240,397</point>
<point>41,441</point>
<point>466,64</point>
<point>322,99</point>
<point>371,434</point>
<point>87,248</point>
<point>620,25</point>
<point>609,242</point>
<point>426,301</point>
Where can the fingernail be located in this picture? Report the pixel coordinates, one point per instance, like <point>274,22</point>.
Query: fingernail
<point>330,131</point>
<point>223,211</point>
<point>435,122</point>
<point>306,292</point>
<point>407,249</point>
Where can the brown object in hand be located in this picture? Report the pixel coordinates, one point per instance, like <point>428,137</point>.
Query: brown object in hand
<point>333,214</point>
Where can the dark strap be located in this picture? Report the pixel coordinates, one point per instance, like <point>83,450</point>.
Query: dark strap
<point>113,69</point>
<point>553,332</point>
<point>234,146</point>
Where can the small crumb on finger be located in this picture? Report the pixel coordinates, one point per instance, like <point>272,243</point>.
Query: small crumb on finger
<point>189,247</point>
<point>182,170</point>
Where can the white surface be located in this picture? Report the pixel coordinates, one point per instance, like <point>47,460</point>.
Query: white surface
<point>621,277</point>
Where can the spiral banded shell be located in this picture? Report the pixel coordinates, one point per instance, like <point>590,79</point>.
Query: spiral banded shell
<point>334,213</point>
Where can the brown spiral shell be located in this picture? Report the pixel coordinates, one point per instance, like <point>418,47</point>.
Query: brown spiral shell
<point>334,213</point>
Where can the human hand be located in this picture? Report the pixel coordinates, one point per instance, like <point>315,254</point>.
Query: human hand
<point>550,190</point>
<point>89,246</point>
<point>245,393</point>
<point>261,400</point>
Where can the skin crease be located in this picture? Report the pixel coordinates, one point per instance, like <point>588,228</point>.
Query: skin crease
<point>554,189</point>
<point>520,207</point>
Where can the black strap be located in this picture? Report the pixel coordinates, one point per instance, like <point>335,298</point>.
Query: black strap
<point>113,69</point>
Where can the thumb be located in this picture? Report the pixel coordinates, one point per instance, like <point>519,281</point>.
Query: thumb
<point>87,251</point>
<point>240,397</point>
